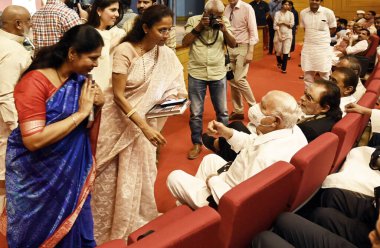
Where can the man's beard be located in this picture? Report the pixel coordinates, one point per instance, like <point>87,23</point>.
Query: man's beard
<point>140,11</point>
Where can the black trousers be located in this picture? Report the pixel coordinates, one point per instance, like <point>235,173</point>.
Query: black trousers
<point>225,150</point>
<point>348,214</point>
<point>291,230</point>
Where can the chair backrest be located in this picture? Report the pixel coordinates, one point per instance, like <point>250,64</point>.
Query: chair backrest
<point>313,163</point>
<point>156,224</point>
<point>253,205</point>
<point>196,229</point>
<point>374,86</point>
<point>371,51</point>
<point>368,100</point>
<point>347,130</point>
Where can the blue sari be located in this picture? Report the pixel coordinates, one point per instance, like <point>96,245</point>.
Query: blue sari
<point>48,201</point>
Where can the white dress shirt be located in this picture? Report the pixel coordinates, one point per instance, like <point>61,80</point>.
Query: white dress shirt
<point>355,174</point>
<point>257,152</point>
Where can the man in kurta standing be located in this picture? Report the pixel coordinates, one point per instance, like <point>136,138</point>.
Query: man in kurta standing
<point>316,55</point>
<point>244,28</point>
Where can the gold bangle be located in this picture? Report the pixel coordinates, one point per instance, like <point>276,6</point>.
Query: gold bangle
<point>74,120</point>
<point>130,113</point>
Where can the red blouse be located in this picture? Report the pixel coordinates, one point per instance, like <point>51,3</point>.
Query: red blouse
<point>31,94</point>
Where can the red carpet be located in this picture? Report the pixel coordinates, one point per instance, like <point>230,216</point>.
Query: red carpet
<point>263,77</point>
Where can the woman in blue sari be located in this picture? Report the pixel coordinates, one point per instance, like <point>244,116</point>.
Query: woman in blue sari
<point>49,160</point>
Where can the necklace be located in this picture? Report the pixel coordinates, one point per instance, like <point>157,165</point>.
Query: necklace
<point>143,61</point>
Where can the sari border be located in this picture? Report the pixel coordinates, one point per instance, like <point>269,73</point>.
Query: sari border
<point>68,223</point>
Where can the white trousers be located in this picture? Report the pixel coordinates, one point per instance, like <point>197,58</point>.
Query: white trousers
<point>192,190</point>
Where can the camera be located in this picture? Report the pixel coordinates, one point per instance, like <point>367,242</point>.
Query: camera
<point>214,24</point>
<point>85,4</point>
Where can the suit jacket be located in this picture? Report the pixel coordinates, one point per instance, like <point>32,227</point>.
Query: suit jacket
<point>313,128</point>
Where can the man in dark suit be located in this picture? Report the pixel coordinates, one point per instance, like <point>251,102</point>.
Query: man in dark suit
<point>320,105</point>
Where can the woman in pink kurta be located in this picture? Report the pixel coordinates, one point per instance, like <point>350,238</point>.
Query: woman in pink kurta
<point>145,72</point>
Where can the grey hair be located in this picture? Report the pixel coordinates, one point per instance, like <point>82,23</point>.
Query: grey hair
<point>215,5</point>
<point>285,106</point>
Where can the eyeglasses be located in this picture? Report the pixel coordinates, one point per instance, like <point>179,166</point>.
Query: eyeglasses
<point>164,31</point>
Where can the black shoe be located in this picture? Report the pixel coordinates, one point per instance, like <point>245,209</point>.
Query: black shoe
<point>235,116</point>
<point>208,142</point>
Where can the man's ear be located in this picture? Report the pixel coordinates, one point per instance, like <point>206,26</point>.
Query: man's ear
<point>348,90</point>
<point>325,108</point>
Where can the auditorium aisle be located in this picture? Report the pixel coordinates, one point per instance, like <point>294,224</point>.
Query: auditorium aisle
<point>263,77</point>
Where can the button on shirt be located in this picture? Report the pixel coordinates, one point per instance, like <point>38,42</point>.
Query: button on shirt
<point>243,22</point>
<point>51,22</point>
<point>206,62</point>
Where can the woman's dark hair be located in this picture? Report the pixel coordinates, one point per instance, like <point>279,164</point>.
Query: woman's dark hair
<point>81,38</point>
<point>284,2</point>
<point>151,16</point>
<point>331,98</point>
<point>93,17</point>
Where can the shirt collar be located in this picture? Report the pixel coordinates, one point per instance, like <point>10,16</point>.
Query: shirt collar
<point>319,9</point>
<point>237,6</point>
<point>17,38</point>
<point>277,134</point>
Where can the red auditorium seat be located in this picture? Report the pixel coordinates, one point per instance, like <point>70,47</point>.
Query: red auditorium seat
<point>253,205</point>
<point>197,228</point>
<point>347,130</point>
<point>248,208</point>
<point>371,52</point>
<point>368,100</point>
<point>374,86</point>
<point>170,216</point>
<point>313,163</point>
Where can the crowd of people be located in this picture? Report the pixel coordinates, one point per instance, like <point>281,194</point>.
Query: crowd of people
<point>78,155</point>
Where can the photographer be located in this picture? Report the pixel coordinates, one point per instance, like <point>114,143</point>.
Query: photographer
<point>205,34</point>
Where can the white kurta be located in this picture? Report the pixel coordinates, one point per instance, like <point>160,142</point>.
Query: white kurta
<point>355,174</point>
<point>256,154</point>
<point>283,35</point>
<point>316,54</point>
<point>360,90</point>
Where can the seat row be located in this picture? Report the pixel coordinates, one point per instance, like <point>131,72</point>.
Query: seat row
<point>253,205</point>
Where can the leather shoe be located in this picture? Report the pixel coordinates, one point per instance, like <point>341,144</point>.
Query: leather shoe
<point>208,142</point>
<point>236,116</point>
<point>194,151</point>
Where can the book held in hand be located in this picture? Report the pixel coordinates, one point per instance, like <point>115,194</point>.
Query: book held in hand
<point>168,108</point>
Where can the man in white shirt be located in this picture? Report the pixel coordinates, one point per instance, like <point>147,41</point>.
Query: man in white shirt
<point>14,59</point>
<point>351,62</point>
<point>346,80</point>
<point>244,28</point>
<point>277,138</point>
<point>358,47</point>
<point>319,22</point>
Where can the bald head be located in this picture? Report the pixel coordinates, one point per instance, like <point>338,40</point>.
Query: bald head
<point>16,20</point>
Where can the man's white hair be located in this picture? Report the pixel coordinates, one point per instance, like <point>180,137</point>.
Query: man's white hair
<point>215,5</point>
<point>284,106</point>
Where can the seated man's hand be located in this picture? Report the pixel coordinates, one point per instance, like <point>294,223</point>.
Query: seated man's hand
<point>215,127</point>
<point>356,108</point>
